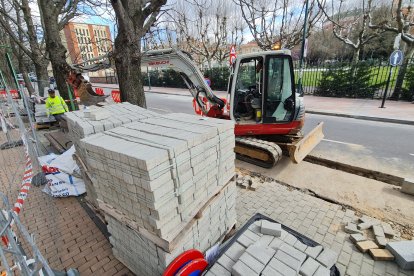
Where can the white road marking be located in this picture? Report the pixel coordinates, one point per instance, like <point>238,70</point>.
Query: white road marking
<point>412,154</point>
<point>339,142</point>
<point>159,109</point>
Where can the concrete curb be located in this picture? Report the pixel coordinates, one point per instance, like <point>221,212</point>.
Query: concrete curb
<point>368,173</point>
<point>166,93</point>
<point>361,117</point>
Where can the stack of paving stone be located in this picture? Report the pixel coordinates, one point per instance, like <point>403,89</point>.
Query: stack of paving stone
<point>41,116</point>
<point>155,177</point>
<point>144,257</point>
<point>92,120</point>
<point>268,250</point>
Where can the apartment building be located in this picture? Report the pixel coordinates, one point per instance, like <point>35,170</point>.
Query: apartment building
<point>85,42</point>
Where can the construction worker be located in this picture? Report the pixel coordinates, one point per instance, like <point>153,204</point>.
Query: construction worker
<point>55,105</point>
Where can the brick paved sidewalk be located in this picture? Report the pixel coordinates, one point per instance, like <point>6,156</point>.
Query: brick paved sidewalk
<point>63,231</point>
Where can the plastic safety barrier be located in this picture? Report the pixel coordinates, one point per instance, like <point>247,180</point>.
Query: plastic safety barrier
<point>116,96</point>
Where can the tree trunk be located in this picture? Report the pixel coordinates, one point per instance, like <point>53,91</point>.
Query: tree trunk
<point>37,56</point>
<point>42,77</point>
<point>54,46</point>
<point>128,67</point>
<point>355,57</point>
<point>401,73</point>
<point>23,71</point>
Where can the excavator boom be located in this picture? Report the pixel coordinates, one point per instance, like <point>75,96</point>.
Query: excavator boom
<point>182,62</point>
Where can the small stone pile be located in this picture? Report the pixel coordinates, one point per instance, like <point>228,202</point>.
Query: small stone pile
<point>384,246</point>
<point>165,185</point>
<point>93,120</point>
<point>248,182</point>
<point>268,250</point>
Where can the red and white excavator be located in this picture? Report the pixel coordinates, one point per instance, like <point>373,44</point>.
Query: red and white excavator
<point>261,100</point>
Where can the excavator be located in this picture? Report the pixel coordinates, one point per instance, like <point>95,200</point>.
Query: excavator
<point>261,100</point>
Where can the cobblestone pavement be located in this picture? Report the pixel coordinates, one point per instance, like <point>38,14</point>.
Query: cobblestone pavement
<point>318,219</point>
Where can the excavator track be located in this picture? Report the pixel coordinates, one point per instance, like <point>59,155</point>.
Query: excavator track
<point>257,152</point>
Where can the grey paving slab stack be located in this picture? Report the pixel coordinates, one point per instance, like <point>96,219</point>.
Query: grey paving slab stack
<point>144,257</point>
<point>269,254</point>
<point>83,123</point>
<point>41,114</point>
<point>167,182</point>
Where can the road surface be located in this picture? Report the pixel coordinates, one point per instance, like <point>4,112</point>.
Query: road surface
<point>386,147</point>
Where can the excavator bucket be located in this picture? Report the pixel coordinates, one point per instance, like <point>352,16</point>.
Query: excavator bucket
<point>299,150</point>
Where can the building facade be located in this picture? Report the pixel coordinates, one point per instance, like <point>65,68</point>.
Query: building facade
<point>85,42</point>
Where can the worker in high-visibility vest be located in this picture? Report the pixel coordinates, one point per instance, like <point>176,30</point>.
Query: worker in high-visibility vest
<point>55,105</point>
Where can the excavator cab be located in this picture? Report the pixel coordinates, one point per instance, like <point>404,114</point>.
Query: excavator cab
<point>262,89</point>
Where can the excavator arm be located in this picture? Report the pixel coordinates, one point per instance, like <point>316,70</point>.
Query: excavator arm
<point>167,58</point>
<point>193,78</point>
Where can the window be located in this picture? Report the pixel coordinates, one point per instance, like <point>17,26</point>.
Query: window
<point>279,89</point>
<point>247,76</point>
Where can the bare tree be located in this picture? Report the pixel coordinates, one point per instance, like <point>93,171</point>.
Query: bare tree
<point>401,23</point>
<point>55,14</point>
<point>134,19</point>
<point>25,36</point>
<point>207,28</point>
<point>349,21</point>
<point>278,21</point>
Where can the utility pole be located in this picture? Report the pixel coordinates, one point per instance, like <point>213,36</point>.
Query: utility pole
<point>302,50</point>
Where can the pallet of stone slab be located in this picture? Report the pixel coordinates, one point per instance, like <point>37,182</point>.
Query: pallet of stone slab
<point>166,167</point>
<point>255,253</point>
<point>83,123</point>
<point>143,256</point>
<point>170,243</point>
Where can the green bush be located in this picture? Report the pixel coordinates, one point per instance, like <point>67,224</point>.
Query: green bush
<point>170,78</point>
<point>408,91</point>
<point>219,77</point>
<point>343,80</point>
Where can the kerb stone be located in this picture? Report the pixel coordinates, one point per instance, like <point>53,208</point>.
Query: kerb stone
<point>403,252</point>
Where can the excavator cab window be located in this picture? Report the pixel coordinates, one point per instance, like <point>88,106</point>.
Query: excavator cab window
<point>279,93</point>
<point>249,88</point>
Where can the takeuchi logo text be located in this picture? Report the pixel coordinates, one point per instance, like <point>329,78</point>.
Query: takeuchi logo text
<point>161,62</point>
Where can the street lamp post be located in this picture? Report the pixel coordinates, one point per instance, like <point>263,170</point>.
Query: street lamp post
<point>302,50</point>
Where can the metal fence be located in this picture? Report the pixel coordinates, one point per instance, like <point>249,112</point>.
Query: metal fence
<point>313,75</point>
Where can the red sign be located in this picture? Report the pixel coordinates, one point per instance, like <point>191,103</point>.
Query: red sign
<point>162,62</point>
<point>232,54</point>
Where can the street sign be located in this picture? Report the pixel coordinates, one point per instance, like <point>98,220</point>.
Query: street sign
<point>232,54</point>
<point>396,58</point>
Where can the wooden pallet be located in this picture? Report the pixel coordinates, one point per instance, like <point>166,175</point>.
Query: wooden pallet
<point>59,141</point>
<point>40,126</point>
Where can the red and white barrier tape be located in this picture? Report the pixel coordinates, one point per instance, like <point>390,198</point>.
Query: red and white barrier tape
<point>24,189</point>
<point>26,184</point>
